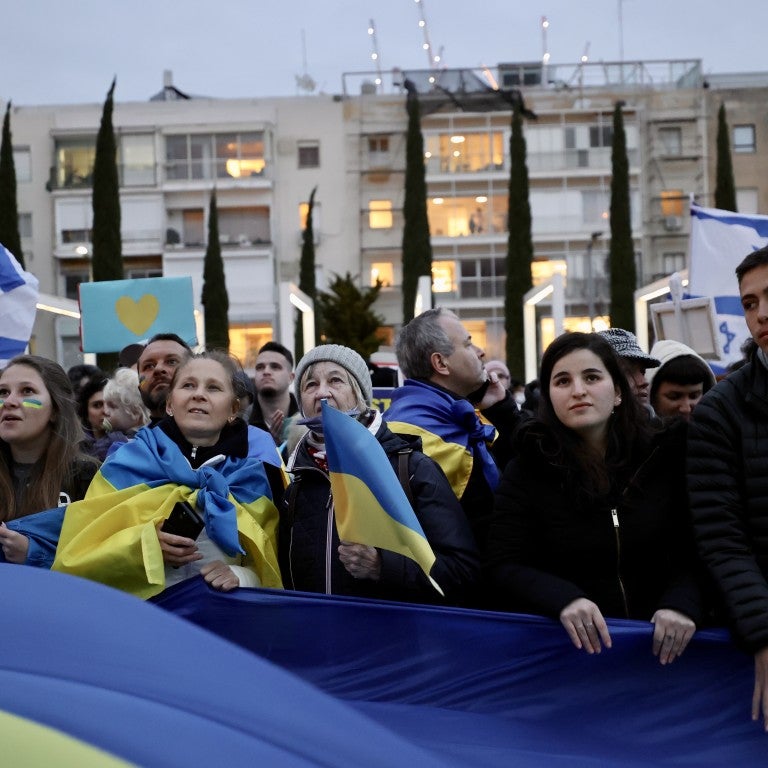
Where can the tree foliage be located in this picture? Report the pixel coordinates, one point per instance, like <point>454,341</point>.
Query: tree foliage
<point>348,317</point>
<point>519,247</point>
<point>725,186</point>
<point>107,257</point>
<point>621,256</point>
<point>215,299</point>
<point>417,247</point>
<point>9,212</point>
<point>307,280</point>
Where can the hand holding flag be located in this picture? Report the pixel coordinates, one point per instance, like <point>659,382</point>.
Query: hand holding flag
<point>371,506</point>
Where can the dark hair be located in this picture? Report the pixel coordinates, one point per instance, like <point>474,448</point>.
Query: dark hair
<point>755,259</point>
<point>54,465</point>
<point>276,346</point>
<point>81,371</point>
<point>588,471</point>
<point>86,392</point>
<point>684,370</point>
<point>169,337</point>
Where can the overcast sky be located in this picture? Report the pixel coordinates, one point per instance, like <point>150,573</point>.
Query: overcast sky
<point>54,51</point>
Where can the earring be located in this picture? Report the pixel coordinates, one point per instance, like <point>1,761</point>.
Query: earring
<point>169,412</point>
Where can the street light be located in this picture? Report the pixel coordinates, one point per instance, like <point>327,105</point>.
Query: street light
<point>594,237</point>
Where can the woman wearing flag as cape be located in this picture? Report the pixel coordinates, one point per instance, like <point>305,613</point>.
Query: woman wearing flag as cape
<point>347,525</point>
<point>203,455</point>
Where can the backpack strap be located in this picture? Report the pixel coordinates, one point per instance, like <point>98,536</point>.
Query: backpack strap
<point>402,473</point>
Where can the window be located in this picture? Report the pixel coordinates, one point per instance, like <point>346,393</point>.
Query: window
<point>303,211</point>
<point>22,163</point>
<point>443,277</point>
<point>672,202</point>
<point>309,154</point>
<point>25,225</point>
<point>671,140</point>
<point>383,272</point>
<point>72,282</point>
<point>600,135</point>
<point>378,144</point>
<point>137,160</point>
<point>244,226</point>
<point>595,206</point>
<point>482,278</point>
<point>74,161</point>
<point>746,200</point>
<point>214,156</point>
<point>743,138</point>
<point>673,262</point>
<point>135,274</point>
<point>380,214</point>
<point>76,236</point>
<point>193,229</point>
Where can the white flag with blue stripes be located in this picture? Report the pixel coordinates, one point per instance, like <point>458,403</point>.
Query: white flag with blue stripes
<point>719,242</point>
<point>18,304</point>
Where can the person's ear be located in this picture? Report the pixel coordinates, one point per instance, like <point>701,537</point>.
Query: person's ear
<point>439,364</point>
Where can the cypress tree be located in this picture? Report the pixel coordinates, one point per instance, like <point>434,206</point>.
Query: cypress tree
<point>307,281</point>
<point>107,259</point>
<point>348,316</point>
<point>725,187</point>
<point>622,251</point>
<point>519,246</point>
<point>417,248</point>
<point>9,212</point>
<point>215,299</point>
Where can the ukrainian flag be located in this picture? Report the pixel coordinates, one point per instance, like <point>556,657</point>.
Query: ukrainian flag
<point>370,504</point>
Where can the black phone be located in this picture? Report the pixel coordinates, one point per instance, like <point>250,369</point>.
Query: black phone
<point>184,520</point>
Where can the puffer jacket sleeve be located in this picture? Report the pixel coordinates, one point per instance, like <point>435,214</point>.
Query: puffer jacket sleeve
<point>719,501</point>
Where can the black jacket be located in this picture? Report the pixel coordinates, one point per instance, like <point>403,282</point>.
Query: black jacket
<point>550,545</point>
<point>728,490</point>
<point>308,540</point>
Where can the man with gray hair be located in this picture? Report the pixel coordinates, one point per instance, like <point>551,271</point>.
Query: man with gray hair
<point>456,408</point>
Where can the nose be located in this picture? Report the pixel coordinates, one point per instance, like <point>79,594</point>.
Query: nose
<point>479,351</point>
<point>578,388</point>
<point>762,310</point>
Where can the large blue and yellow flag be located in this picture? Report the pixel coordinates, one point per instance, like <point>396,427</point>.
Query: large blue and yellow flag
<point>371,505</point>
<point>452,432</point>
<point>18,305</point>
<point>110,536</point>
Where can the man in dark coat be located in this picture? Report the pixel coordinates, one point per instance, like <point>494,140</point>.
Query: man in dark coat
<point>728,481</point>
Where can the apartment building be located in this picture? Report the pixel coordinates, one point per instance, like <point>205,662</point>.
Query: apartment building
<point>264,156</point>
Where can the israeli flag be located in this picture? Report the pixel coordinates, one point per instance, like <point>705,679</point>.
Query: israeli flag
<point>719,242</point>
<point>18,305</point>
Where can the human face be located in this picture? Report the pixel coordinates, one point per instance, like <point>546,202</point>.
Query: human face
<point>26,413</point>
<point>634,370</point>
<point>583,395</point>
<point>754,301</point>
<point>677,399</point>
<point>96,412</point>
<point>501,371</point>
<point>330,381</point>
<point>119,419</point>
<point>202,401</point>
<point>273,374</point>
<point>156,365</point>
<point>462,372</point>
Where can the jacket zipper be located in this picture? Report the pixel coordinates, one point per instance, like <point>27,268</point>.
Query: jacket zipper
<point>616,533</point>
<point>328,543</point>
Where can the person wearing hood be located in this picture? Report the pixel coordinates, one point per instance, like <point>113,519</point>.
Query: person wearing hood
<point>680,381</point>
<point>312,557</point>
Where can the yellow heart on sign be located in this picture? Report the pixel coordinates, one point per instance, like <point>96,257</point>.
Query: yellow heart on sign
<point>137,316</point>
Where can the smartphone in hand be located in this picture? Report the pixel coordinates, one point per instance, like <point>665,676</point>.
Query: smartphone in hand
<point>184,520</point>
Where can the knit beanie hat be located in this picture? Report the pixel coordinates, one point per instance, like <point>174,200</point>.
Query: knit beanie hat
<point>345,357</point>
<point>667,350</point>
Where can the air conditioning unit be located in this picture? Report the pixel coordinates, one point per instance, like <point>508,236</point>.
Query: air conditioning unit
<point>673,223</point>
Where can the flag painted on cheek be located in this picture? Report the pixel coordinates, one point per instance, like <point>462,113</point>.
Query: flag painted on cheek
<point>371,506</point>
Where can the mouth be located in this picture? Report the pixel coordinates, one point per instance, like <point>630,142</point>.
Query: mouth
<point>579,406</point>
<point>5,419</point>
<point>199,411</point>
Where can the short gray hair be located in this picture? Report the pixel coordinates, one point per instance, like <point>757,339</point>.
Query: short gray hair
<point>418,340</point>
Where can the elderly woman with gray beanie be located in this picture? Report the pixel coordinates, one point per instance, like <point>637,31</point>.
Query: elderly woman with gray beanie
<point>312,557</point>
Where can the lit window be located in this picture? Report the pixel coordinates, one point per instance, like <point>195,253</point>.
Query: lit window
<point>309,154</point>
<point>672,202</point>
<point>245,341</point>
<point>443,277</point>
<point>74,161</point>
<point>382,271</point>
<point>380,214</point>
<point>137,159</point>
<point>743,138</point>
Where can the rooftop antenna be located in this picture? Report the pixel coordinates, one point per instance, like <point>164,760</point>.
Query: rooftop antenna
<point>305,82</point>
<point>375,51</point>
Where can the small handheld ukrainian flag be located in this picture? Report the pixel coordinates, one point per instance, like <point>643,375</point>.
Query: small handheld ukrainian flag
<point>371,505</point>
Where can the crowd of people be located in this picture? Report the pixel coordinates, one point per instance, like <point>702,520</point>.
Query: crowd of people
<point>619,484</point>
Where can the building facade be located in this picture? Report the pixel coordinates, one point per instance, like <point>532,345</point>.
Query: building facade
<point>264,156</point>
